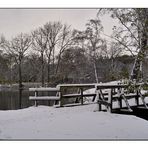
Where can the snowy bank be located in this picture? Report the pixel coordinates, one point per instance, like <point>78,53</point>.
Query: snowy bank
<point>79,122</point>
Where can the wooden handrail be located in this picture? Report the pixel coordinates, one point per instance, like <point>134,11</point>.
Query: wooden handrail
<point>44,89</point>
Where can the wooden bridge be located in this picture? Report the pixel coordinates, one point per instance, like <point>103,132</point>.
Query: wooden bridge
<point>105,94</point>
<point>118,92</point>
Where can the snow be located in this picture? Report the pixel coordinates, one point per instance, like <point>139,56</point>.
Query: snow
<point>81,122</point>
<point>78,122</point>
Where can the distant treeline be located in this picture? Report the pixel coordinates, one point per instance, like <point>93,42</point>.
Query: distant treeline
<point>75,67</point>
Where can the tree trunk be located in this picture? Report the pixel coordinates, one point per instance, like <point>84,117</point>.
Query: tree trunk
<point>48,72</point>
<point>58,64</point>
<point>20,84</point>
<point>95,69</point>
<point>137,68</point>
<point>42,69</point>
<point>48,67</point>
<point>53,62</point>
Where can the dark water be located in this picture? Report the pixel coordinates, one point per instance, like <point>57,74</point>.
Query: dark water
<point>9,99</point>
<point>139,111</point>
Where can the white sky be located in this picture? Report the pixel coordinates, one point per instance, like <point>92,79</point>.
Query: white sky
<point>15,21</point>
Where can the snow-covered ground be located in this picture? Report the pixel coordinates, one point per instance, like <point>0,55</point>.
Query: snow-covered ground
<point>71,123</point>
<point>78,122</point>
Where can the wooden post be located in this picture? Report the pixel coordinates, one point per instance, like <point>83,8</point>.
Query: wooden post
<point>113,90</point>
<point>36,103</point>
<point>119,91</point>
<point>142,98</point>
<point>81,91</point>
<point>98,95</point>
<point>137,98</point>
<point>126,102</point>
<point>94,97</point>
<point>57,101</point>
<point>120,102</point>
<point>61,98</point>
<point>100,106</point>
<point>97,98</point>
<point>110,99</point>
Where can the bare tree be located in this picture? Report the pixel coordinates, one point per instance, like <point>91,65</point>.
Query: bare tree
<point>65,42</point>
<point>95,42</point>
<point>91,39</point>
<point>51,31</point>
<point>113,52</point>
<point>126,32</point>
<point>17,48</point>
<point>40,44</point>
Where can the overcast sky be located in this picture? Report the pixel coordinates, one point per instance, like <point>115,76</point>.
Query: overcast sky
<point>14,21</point>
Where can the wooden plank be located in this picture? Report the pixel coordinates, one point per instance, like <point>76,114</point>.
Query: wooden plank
<point>81,91</point>
<point>126,102</point>
<point>109,86</point>
<point>110,100</point>
<point>101,94</point>
<point>128,96</point>
<point>36,103</point>
<point>94,97</point>
<point>89,95</point>
<point>142,98</point>
<point>102,97</point>
<point>44,89</point>
<point>104,103</point>
<point>76,85</point>
<point>113,86</point>
<point>78,95</point>
<point>44,98</point>
<point>101,100</point>
<point>131,95</point>
<point>116,97</point>
<point>61,98</point>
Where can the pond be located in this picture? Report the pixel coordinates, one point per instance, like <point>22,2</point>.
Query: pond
<point>9,97</point>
